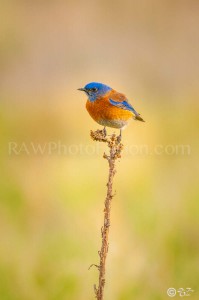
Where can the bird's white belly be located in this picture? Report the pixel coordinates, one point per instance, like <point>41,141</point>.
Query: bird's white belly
<point>113,123</point>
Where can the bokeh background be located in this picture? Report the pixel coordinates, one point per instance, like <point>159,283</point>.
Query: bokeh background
<point>51,207</point>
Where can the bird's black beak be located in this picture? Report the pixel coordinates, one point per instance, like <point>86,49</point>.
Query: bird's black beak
<point>82,89</point>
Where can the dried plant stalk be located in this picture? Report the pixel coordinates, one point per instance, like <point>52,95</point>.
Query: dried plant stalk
<point>115,148</point>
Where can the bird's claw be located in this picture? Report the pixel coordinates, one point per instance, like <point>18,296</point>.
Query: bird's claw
<point>119,138</point>
<point>104,132</point>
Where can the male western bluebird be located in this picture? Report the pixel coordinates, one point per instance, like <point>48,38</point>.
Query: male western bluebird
<point>108,107</point>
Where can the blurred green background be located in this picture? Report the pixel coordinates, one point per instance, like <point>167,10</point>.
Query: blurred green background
<point>51,207</point>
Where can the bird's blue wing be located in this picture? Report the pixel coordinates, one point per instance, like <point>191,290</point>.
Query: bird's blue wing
<point>124,105</point>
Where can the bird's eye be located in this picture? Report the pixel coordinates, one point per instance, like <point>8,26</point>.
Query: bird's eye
<point>94,90</point>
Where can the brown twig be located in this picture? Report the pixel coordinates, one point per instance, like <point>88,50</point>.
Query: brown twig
<point>115,148</point>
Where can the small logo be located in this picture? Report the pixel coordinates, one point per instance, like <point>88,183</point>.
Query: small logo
<point>171,292</point>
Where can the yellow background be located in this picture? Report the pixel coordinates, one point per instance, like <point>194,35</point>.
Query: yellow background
<point>51,208</point>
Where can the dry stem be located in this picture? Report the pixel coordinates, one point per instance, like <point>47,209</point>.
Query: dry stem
<point>115,148</point>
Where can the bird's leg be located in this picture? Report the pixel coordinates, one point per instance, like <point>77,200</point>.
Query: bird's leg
<point>104,131</point>
<point>119,138</point>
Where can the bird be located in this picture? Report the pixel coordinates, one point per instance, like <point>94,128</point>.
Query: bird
<point>108,107</point>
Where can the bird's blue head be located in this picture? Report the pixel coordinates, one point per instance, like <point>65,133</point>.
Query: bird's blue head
<point>94,90</point>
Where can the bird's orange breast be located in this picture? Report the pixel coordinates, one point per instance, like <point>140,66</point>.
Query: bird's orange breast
<point>102,109</point>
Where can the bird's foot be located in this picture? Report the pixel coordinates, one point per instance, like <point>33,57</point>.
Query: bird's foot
<point>104,132</point>
<point>119,138</point>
